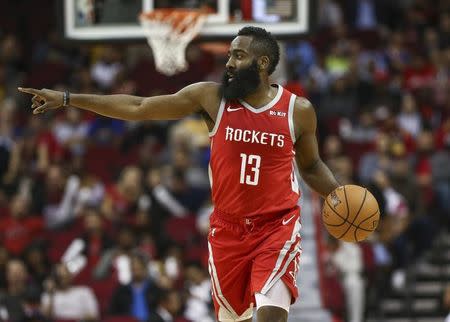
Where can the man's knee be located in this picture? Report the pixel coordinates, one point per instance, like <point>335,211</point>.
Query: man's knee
<point>272,314</point>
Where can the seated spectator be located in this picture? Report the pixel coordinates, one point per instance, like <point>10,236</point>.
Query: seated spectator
<point>53,196</point>
<point>19,229</point>
<point>62,300</point>
<point>409,120</point>
<point>11,301</point>
<point>120,253</point>
<point>376,160</point>
<point>37,262</point>
<point>336,160</point>
<point>71,132</point>
<point>4,258</point>
<point>198,302</point>
<point>121,198</point>
<point>348,260</point>
<point>136,298</point>
<point>168,307</point>
<point>441,178</point>
<point>95,238</point>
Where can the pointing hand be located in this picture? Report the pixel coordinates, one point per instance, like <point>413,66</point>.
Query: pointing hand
<point>44,99</point>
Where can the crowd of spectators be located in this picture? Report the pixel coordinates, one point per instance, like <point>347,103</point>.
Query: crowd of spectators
<point>105,218</point>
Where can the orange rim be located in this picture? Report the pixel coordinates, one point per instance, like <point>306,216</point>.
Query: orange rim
<point>180,19</point>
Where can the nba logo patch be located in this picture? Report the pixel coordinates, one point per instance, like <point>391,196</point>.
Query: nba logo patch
<point>335,201</point>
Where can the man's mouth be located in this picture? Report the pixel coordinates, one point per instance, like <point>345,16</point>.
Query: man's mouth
<point>230,76</point>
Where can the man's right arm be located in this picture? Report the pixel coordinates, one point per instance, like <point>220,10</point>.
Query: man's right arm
<point>189,100</point>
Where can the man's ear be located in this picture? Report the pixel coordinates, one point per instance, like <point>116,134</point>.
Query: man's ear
<point>263,63</point>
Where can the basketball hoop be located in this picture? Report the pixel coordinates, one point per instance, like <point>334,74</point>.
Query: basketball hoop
<point>168,32</point>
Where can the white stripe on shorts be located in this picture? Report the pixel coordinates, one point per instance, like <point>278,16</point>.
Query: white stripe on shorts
<point>219,296</point>
<point>283,252</point>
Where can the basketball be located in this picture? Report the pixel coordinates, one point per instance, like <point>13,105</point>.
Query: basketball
<point>350,213</point>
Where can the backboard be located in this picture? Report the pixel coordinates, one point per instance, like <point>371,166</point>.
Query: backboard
<point>118,19</point>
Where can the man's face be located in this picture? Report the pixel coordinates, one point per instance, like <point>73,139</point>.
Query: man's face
<point>16,273</point>
<point>138,270</point>
<point>241,76</point>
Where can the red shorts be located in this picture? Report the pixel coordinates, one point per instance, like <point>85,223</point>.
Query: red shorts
<point>248,256</point>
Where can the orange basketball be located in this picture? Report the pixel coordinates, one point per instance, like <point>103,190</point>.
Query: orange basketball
<point>350,213</point>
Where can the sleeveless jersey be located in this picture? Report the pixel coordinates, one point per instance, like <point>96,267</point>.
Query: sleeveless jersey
<point>251,168</point>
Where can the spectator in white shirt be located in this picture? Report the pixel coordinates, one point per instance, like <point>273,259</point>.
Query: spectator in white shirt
<point>62,300</point>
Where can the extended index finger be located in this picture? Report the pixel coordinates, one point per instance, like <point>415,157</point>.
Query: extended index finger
<point>31,91</point>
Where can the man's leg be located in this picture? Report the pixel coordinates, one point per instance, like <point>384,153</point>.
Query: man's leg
<point>272,314</point>
<point>274,305</point>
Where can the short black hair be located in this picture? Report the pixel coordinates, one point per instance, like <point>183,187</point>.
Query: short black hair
<point>264,44</point>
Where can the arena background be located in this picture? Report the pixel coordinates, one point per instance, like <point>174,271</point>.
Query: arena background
<point>99,194</point>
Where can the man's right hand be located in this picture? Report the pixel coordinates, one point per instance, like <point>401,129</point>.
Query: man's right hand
<point>44,99</point>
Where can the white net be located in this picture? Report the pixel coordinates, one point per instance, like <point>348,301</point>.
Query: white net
<point>168,33</point>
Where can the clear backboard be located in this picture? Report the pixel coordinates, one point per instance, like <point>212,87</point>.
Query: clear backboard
<point>118,19</point>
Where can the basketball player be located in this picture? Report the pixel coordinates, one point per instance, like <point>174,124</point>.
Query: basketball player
<point>258,130</point>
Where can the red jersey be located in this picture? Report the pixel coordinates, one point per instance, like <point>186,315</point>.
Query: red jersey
<point>252,158</point>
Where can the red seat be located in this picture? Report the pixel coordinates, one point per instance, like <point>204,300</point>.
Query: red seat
<point>95,162</point>
<point>181,230</point>
<point>103,290</point>
<point>58,241</point>
<point>120,319</point>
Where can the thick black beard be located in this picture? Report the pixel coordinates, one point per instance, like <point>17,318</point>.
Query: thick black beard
<point>245,82</point>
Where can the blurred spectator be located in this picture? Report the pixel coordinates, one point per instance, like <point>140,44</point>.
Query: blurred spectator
<point>138,297</point>
<point>89,192</point>
<point>404,181</point>
<point>340,101</point>
<point>440,162</point>
<point>419,74</point>
<point>330,13</point>
<point>422,166</point>
<point>105,131</point>
<point>347,258</point>
<point>96,239</point>
<point>11,301</point>
<point>199,302</point>
<point>9,145</point>
<point>37,262</point>
<point>339,163</point>
<point>118,257</point>
<point>20,228</point>
<point>62,300</point>
<point>376,160</point>
<point>4,257</point>
<point>71,131</point>
<point>301,58</point>
<point>167,308</point>
<point>53,196</point>
<point>13,62</point>
<point>363,130</point>
<point>121,199</point>
<point>409,120</point>
<point>107,67</point>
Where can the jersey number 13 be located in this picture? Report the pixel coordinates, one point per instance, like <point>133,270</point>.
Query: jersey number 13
<point>250,165</point>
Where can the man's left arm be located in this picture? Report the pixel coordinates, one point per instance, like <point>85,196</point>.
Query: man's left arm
<point>312,169</point>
